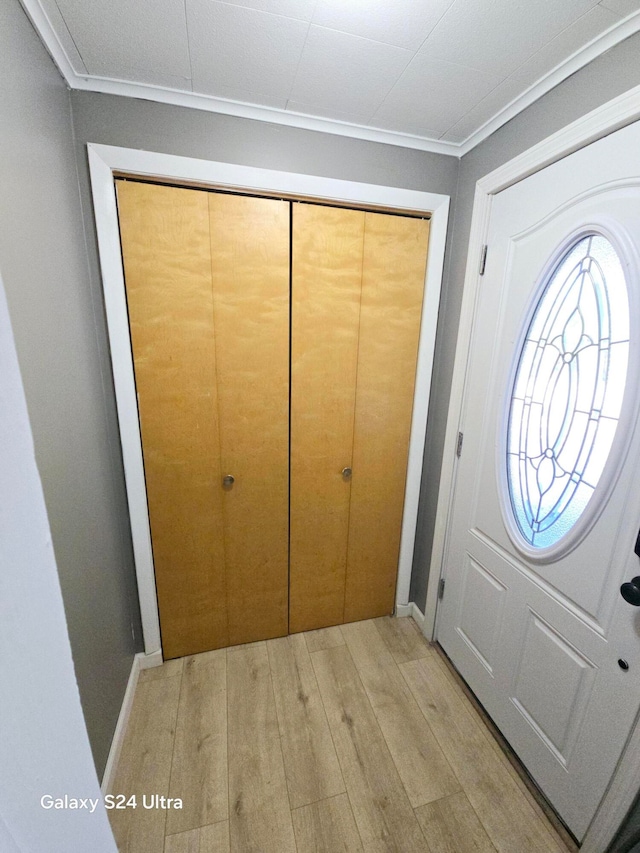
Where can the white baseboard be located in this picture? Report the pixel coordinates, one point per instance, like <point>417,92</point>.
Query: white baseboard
<point>412,610</point>
<point>417,615</point>
<point>150,660</point>
<point>140,662</point>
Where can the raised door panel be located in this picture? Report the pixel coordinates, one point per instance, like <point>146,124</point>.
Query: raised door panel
<point>393,277</point>
<point>250,274</point>
<point>326,287</point>
<point>167,262</point>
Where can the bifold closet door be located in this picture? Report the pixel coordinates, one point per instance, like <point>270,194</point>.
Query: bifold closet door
<point>207,281</point>
<point>394,262</point>
<point>357,288</point>
<point>325,320</point>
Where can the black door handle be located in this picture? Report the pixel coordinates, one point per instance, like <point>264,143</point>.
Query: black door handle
<point>631,591</point>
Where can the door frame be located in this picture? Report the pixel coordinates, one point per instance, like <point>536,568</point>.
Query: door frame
<point>104,161</point>
<point>611,116</point>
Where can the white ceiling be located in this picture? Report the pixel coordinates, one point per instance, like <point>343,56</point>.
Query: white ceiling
<point>443,73</point>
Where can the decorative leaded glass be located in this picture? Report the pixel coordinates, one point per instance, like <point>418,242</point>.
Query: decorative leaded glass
<point>568,391</point>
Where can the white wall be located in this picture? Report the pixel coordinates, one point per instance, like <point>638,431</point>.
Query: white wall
<point>44,748</point>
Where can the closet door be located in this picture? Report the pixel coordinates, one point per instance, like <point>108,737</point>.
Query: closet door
<point>325,318</point>
<point>207,279</point>
<point>250,272</point>
<point>357,288</point>
<point>393,278</point>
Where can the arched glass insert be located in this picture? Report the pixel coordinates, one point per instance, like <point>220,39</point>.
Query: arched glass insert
<point>568,391</point>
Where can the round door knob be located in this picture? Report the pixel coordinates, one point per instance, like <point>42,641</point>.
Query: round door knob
<point>228,481</point>
<point>346,473</point>
<point>631,591</point>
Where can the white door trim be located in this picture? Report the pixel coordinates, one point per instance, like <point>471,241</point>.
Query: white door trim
<point>104,160</point>
<point>612,116</point>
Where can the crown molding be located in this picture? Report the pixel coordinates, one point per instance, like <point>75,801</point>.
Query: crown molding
<point>212,104</point>
<point>617,33</point>
<point>192,100</point>
<point>49,37</point>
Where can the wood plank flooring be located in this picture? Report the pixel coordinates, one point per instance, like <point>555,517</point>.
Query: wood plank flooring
<point>354,739</point>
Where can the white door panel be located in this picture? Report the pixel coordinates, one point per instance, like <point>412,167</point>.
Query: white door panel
<point>595,594</point>
<point>538,639</point>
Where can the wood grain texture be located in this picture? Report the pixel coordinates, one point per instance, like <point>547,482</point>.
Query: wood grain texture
<point>260,817</point>
<point>382,812</point>
<point>375,813</point>
<point>423,768</point>
<point>184,842</point>
<point>324,638</point>
<point>167,263</point>
<point>145,765</point>
<point>505,813</point>
<point>393,276</point>
<point>167,670</point>
<point>310,761</point>
<point>366,646</point>
<point>199,768</point>
<point>208,839</point>
<point>327,827</point>
<point>452,826</point>
<point>326,285</point>
<point>403,638</point>
<point>250,279</point>
<point>244,646</point>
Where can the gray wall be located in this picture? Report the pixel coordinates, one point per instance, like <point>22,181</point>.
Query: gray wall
<point>59,332</point>
<point>113,120</point>
<point>614,72</point>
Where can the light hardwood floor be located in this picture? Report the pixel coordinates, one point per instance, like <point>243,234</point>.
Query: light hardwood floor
<point>344,740</point>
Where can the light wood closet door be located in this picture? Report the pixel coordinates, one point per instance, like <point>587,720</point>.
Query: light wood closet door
<point>393,275</point>
<point>207,279</point>
<point>325,320</point>
<point>250,271</point>
<point>357,287</point>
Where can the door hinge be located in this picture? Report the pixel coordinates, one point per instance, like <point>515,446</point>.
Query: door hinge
<point>483,259</point>
<point>441,589</point>
<point>459,445</point>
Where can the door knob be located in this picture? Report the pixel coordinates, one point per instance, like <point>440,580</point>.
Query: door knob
<point>346,473</point>
<point>228,481</point>
<point>631,591</point>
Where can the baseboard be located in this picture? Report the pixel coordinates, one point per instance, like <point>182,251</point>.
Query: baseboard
<point>140,662</point>
<point>417,615</point>
<point>412,610</point>
<point>151,660</point>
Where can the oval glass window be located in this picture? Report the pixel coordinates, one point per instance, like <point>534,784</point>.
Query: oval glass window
<point>568,390</point>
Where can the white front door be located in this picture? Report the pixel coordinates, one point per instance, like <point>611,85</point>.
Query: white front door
<point>546,508</point>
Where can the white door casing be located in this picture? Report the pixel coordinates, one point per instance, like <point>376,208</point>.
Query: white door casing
<point>539,642</point>
<point>104,161</point>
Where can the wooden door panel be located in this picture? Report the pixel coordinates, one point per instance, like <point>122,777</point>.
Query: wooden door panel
<point>165,241</point>
<point>394,265</point>
<point>326,286</point>
<point>208,286</point>
<point>250,274</point>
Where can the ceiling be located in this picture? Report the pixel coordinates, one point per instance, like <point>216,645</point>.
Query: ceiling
<point>433,74</point>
